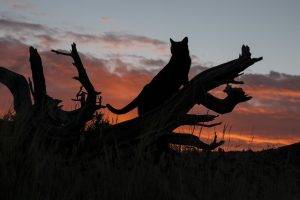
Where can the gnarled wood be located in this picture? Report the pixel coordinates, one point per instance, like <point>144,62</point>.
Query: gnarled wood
<point>46,109</point>
<point>88,105</point>
<point>39,85</point>
<point>173,112</point>
<point>19,88</point>
<point>155,128</point>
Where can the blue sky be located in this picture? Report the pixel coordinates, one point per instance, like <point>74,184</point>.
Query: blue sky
<point>216,29</point>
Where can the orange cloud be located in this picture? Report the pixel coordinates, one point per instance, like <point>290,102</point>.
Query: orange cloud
<point>270,119</point>
<point>275,93</point>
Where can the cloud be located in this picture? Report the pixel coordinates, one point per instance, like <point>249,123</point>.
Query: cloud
<point>29,33</point>
<point>115,39</point>
<point>105,20</point>
<point>274,80</point>
<point>58,68</point>
<point>270,118</point>
<point>130,38</point>
<point>120,41</point>
<point>12,25</point>
<point>46,38</point>
<point>153,62</point>
<point>19,5</point>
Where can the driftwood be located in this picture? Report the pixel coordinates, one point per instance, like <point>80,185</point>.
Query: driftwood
<point>156,128</point>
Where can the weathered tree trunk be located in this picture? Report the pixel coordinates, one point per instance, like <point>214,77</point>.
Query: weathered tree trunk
<point>18,86</point>
<point>39,85</point>
<point>88,105</point>
<point>155,128</point>
<point>173,113</point>
<point>46,112</point>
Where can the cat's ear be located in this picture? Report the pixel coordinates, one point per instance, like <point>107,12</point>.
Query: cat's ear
<point>185,40</point>
<point>172,41</point>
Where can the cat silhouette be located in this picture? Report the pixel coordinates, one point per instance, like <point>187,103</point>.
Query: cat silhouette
<point>165,84</point>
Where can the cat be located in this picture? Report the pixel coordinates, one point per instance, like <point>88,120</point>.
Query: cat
<point>166,83</point>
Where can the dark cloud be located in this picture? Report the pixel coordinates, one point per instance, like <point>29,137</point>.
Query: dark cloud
<point>273,80</point>
<point>119,40</point>
<point>12,25</point>
<point>115,38</point>
<point>46,37</point>
<point>129,38</point>
<point>153,62</point>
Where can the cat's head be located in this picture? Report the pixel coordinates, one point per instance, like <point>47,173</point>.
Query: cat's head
<point>179,48</point>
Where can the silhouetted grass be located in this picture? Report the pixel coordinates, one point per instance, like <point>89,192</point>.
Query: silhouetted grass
<point>31,170</point>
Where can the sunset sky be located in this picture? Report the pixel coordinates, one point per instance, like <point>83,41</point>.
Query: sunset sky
<point>124,44</point>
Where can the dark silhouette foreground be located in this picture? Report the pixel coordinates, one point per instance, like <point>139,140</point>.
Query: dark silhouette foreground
<point>154,128</point>
<point>36,162</point>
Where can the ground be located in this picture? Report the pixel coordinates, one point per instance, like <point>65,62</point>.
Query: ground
<point>112,174</point>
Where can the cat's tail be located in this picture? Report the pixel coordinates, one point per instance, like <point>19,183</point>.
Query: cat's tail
<point>133,104</point>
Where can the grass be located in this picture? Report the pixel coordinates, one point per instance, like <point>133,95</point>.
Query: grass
<point>29,170</point>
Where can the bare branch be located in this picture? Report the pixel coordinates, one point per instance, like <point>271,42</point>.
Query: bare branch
<point>226,105</point>
<point>39,84</point>
<point>89,103</point>
<point>19,88</point>
<point>31,86</point>
<point>209,125</point>
<point>190,119</point>
<point>61,53</point>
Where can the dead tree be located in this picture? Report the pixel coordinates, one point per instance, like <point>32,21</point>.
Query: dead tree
<point>156,128</point>
<point>45,110</point>
<point>160,123</point>
<point>17,85</point>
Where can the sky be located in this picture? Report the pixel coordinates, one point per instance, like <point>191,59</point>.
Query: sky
<point>215,28</point>
<point>124,44</point>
